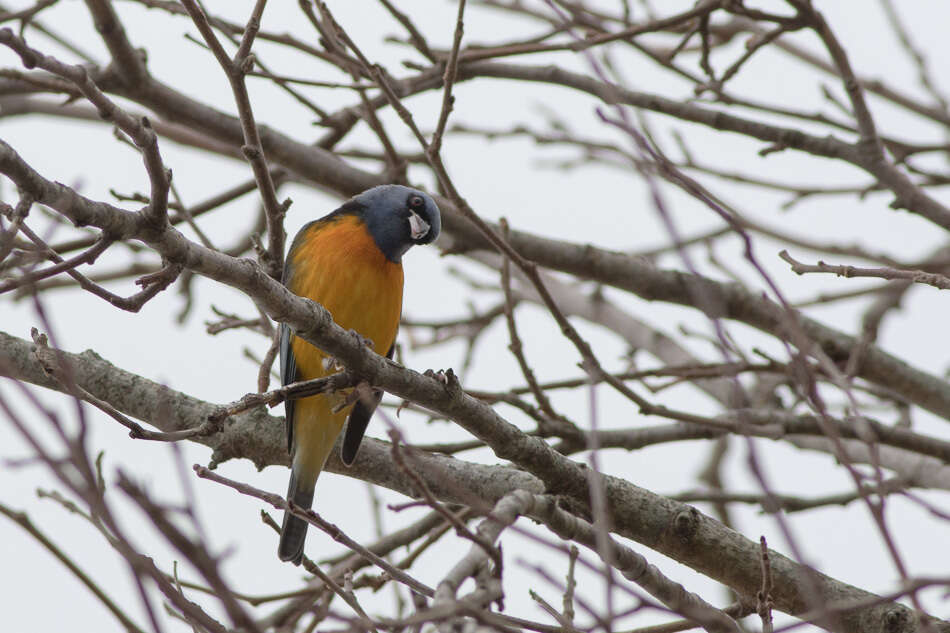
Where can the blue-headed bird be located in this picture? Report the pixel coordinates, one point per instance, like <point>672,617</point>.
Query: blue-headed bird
<point>350,262</point>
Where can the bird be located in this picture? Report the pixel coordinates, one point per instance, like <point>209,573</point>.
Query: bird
<point>350,262</point>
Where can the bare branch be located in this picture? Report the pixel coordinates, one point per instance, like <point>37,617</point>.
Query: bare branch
<point>140,130</point>
<point>917,276</point>
<point>21,519</point>
<point>235,69</point>
<point>314,519</point>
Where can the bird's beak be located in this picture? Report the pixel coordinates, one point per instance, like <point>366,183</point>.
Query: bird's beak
<point>418,228</point>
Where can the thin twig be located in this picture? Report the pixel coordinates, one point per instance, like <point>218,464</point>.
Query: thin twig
<point>293,391</point>
<point>763,599</point>
<point>460,528</point>
<point>152,283</point>
<point>515,345</point>
<point>917,276</point>
<point>314,519</point>
<point>86,257</point>
<point>139,130</point>
<point>236,69</point>
<point>51,365</point>
<point>451,71</point>
<point>21,519</point>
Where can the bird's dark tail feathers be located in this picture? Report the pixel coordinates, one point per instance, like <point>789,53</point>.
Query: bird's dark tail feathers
<point>294,530</point>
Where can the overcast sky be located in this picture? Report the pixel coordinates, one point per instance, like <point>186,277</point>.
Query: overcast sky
<point>505,178</point>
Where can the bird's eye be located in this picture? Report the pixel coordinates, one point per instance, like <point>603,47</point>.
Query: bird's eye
<point>416,202</point>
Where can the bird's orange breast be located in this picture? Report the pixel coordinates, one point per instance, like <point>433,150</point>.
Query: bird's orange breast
<point>338,265</point>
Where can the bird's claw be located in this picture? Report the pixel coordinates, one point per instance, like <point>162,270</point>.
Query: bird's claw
<point>362,391</point>
<point>445,376</point>
<point>330,363</point>
<point>437,375</point>
<point>362,339</point>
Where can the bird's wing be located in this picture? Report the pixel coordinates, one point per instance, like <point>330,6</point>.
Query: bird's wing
<point>288,374</point>
<point>288,363</point>
<point>359,418</point>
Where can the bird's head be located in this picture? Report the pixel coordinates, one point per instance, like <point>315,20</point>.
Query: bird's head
<point>399,217</point>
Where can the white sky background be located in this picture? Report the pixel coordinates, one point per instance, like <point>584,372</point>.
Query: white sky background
<point>605,206</point>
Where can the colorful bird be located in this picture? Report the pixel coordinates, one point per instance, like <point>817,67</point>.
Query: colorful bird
<point>350,262</point>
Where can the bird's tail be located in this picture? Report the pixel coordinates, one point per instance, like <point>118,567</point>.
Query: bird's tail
<point>294,530</point>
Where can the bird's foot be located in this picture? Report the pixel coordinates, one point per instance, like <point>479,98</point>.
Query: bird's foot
<point>362,391</point>
<point>437,375</point>
<point>446,376</point>
<point>330,363</point>
<point>361,339</point>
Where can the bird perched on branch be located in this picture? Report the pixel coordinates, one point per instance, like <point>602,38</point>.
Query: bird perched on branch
<point>350,262</point>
